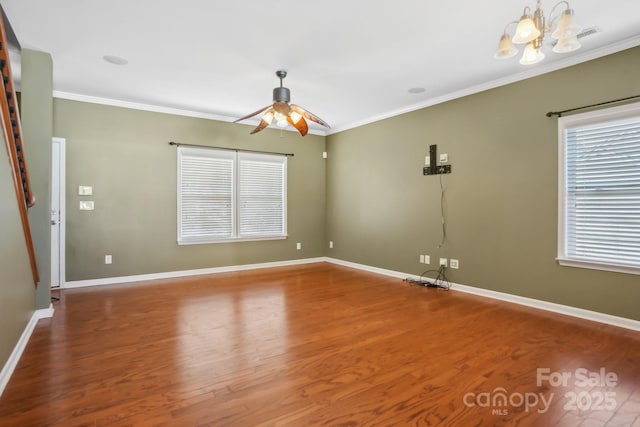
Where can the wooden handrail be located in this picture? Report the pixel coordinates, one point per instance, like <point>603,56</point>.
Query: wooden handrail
<point>12,132</point>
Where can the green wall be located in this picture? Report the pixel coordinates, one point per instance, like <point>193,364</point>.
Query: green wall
<point>36,117</point>
<point>500,199</point>
<point>124,155</point>
<point>17,291</point>
<point>370,197</point>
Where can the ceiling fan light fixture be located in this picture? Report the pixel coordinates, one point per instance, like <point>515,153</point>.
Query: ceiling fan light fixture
<point>281,120</point>
<point>295,116</point>
<point>268,117</point>
<point>283,112</point>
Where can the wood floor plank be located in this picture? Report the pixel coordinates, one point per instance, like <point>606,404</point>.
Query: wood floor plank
<point>312,345</point>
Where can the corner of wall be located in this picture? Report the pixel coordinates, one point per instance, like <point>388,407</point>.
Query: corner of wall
<point>37,125</point>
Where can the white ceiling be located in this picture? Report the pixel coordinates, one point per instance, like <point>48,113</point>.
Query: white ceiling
<point>350,61</point>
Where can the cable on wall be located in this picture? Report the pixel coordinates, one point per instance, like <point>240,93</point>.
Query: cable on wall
<point>442,217</point>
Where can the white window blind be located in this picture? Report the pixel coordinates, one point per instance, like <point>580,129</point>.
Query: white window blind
<point>601,205</point>
<point>227,196</point>
<point>261,194</point>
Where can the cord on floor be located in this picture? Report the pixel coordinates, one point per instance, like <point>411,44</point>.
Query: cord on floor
<point>440,281</point>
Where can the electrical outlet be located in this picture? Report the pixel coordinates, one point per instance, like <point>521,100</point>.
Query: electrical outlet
<point>298,246</point>
<point>108,259</point>
<point>443,262</point>
<point>427,259</point>
<point>421,259</point>
<point>444,158</point>
<point>330,244</point>
<point>454,263</point>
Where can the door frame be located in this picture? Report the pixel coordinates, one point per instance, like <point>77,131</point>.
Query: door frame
<point>60,186</point>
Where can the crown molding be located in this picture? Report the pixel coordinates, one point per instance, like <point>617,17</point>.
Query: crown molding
<point>162,109</point>
<point>527,74</point>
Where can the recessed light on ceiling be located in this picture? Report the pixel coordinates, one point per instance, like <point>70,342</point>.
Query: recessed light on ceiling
<point>115,60</point>
<point>415,90</point>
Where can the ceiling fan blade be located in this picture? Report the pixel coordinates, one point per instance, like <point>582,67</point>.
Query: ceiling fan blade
<point>302,125</point>
<point>263,124</point>
<point>253,114</point>
<point>307,115</point>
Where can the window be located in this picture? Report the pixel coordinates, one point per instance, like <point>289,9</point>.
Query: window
<point>230,196</point>
<point>599,190</point>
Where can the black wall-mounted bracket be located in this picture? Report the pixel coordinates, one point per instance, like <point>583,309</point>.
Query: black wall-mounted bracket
<point>434,168</point>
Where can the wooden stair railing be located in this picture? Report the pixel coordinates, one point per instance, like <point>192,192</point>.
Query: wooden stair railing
<point>12,131</point>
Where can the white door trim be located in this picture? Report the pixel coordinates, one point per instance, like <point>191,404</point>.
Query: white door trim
<point>61,166</point>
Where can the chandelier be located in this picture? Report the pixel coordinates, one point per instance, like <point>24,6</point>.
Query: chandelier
<point>531,30</point>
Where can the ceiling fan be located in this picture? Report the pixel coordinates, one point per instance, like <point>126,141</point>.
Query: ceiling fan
<point>283,112</point>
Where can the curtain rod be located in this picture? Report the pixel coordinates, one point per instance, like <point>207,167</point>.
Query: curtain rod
<point>560,113</point>
<point>178,144</point>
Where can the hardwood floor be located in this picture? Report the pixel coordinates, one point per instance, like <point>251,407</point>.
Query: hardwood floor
<point>311,345</point>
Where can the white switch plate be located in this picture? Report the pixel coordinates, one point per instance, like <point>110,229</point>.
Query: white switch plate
<point>108,259</point>
<point>86,205</point>
<point>324,155</point>
<point>85,190</point>
<point>444,158</point>
<point>298,246</point>
<point>443,262</point>
<point>427,259</point>
<point>454,263</point>
<point>330,244</point>
<point>421,259</point>
<point>427,160</point>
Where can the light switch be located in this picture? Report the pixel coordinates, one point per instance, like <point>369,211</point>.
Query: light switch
<point>85,190</point>
<point>86,205</point>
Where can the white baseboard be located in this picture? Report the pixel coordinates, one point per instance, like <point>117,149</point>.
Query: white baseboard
<point>44,313</point>
<point>14,357</point>
<point>383,271</point>
<point>185,273</point>
<point>594,316</point>
<point>530,302</point>
<point>12,362</point>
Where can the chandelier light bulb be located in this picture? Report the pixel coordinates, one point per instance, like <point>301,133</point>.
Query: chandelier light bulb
<point>567,44</point>
<point>531,55</point>
<point>526,30</point>
<point>506,49</point>
<point>567,26</point>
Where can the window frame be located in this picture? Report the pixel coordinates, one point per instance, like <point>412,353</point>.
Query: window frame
<point>572,121</point>
<point>236,156</point>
